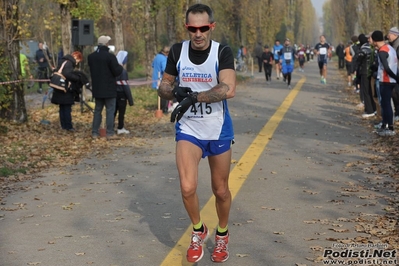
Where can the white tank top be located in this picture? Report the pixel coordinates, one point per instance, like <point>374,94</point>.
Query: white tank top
<point>205,121</point>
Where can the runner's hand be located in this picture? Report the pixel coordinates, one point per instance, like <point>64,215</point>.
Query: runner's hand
<point>181,92</point>
<point>183,106</point>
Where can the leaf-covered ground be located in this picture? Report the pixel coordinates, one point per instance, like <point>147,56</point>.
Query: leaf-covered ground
<point>27,149</point>
<point>383,166</point>
<point>40,144</point>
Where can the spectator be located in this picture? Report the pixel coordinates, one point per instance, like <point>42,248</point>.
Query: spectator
<point>104,68</point>
<point>123,94</point>
<point>42,58</point>
<point>258,54</point>
<point>373,69</point>
<point>158,68</point>
<point>393,38</point>
<point>348,63</point>
<point>362,65</point>
<point>73,84</point>
<point>341,55</point>
<point>25,69</point>
<point>354,50</point>
<point>387,76</point>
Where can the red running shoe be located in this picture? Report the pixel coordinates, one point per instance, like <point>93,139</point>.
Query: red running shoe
<point>221,250</point>
<point>195,252</point>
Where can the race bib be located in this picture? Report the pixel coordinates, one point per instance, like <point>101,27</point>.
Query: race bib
<point>202,110</point>
<point>301,53</point>
<point>276,52</point>
<point>288,56</point>
<point>307,51</point>
<point>323,51</point>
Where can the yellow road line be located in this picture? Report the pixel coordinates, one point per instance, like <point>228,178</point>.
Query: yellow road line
<point>177,256</point>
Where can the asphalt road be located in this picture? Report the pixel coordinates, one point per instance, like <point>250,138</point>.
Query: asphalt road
<point>298,193</point>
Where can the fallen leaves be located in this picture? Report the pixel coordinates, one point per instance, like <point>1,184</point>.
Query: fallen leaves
<point>26,149</point>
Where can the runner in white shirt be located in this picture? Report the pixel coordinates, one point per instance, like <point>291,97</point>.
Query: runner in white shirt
<point>204,127</point>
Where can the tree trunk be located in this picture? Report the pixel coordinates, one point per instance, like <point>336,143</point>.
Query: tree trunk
<point>66,33</point>
<point>12,102</point>
<point>149,37</point>
<point>116,15</point>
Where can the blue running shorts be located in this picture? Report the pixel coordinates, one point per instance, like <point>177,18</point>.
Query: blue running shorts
<point>208,147</point>
<point>287,69</point>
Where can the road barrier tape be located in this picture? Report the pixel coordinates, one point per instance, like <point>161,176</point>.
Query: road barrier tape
<point>131,82</point>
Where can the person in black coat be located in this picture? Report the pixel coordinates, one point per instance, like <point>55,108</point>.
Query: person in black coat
<point>74,81</point>
<point>104,68</point>
<point>340,51</point>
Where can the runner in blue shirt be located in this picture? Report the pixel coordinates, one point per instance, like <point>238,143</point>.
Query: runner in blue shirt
<point>276,50</point>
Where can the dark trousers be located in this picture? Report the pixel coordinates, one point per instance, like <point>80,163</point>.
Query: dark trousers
<point>287,77</point>
<point>120,109</point>
<point>42,74</point>
<point>341,62</point>
<point>365,89</point>
<point>395,99</point>
<point>260,63</point>
<point>109,104</point>
<point>386,96</point>
<point>65,111</point>
<point>268,71</point>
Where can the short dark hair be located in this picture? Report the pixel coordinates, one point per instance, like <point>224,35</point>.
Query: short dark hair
<point>200,8</point>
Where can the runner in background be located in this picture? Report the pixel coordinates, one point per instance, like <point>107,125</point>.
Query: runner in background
<point>321,51</point>
<point>276,50</point>
<point>301,53</point>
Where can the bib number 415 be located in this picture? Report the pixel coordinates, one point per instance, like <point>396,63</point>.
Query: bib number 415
<point>201,109</point>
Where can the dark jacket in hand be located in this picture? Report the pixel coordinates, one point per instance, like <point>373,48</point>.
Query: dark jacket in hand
<point>104,68</point>
<point>72,82</point>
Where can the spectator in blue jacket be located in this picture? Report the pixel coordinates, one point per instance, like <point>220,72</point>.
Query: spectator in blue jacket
<point>158,67</point>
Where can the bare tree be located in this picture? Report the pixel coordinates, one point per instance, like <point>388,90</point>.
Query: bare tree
<point>12,104</point>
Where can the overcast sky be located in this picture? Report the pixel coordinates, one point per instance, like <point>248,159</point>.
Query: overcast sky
<point>318,5</point>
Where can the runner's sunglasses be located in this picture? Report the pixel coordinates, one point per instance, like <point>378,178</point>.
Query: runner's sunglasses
<point>203,28</point>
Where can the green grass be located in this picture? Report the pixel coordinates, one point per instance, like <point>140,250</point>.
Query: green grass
<point>137,72</point>
<point>145,98</point>
<point>4,171</point>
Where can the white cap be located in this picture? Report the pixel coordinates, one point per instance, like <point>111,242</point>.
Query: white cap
<point>103,40</point>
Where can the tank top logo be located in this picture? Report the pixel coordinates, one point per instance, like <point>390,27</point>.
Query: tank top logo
<point>196,77</point>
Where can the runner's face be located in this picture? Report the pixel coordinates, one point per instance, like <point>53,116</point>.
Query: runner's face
<point>322,39</point>
<point>200,40</point>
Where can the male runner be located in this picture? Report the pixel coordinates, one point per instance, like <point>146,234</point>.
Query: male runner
<point>321,51</point>
<point>287,58</point>
<point>276,50</point>
<point>203,124</point>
